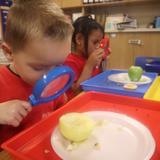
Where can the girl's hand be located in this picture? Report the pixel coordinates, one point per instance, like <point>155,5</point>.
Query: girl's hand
<point>13,112</point>
<point>95,58</point>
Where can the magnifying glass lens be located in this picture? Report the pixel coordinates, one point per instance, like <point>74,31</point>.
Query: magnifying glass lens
<point>54,86</point>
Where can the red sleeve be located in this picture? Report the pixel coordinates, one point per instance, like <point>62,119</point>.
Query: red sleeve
<point>76,63</point>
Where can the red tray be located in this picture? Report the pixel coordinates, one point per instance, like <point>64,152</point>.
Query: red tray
<point>35,141</point>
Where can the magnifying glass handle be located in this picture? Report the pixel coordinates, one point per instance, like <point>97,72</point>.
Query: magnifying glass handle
<point>32,100</point>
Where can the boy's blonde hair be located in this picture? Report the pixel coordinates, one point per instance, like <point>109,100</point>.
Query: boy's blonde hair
<point>30,19</point>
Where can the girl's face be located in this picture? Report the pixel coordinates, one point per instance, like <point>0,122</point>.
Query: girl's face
<point>94,40</point>
<point>40,56</point>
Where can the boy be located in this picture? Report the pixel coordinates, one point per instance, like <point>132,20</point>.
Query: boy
<point>37,39</point>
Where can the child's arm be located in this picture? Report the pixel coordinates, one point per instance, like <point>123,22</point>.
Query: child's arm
<point>12,112</point>
<point>93,60</point>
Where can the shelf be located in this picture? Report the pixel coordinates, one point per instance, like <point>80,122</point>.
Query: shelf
<point>66,5</point>
<point>70,4</point>
<point>123,2</point>
<point>73,7</point>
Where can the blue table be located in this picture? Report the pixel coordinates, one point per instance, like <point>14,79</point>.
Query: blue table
<point>101,83</point>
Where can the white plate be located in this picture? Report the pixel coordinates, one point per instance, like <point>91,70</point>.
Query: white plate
<point>123,78</point>
<point>119,137</point>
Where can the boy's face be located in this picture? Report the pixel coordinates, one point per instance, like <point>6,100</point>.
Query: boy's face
<point>40,56</point>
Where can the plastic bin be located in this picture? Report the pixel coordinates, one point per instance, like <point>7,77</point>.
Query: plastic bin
<point>7,3</point>
<point>153,67</point>
<point>149,64</point>
<point>32,143</point>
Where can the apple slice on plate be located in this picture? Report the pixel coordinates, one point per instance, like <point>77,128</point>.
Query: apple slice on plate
<point>75,126</point>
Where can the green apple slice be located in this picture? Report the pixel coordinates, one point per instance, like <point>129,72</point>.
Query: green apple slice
<point>75,126</point>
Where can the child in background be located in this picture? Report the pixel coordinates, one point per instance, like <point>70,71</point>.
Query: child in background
<point>86,58</point>
<point>37,39</point>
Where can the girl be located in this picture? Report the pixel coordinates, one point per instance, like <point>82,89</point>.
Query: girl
<point>87,55</point>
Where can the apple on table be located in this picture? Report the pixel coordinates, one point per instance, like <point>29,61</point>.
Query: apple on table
<point>135,73</point>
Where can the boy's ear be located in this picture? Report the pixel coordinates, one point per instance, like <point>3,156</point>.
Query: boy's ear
<point>7,51</point>
<point>79,38</point>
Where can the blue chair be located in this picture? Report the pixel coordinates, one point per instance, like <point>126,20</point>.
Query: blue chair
<point>149,64</point>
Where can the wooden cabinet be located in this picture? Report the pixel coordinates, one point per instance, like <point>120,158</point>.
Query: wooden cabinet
<point>126,46</point>
<point>3,17</point>
<point>59,2</point>
<point>121,53</point>
<point>66,4</point>
<point>71,3</point>
<point>149,45</point>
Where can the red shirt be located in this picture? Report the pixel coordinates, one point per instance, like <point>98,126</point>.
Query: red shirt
<point>77,63</point>
<point>13,87</point>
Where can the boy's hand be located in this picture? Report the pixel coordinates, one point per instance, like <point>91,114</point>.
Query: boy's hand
<point>95,57</point>
<point>12,112</point>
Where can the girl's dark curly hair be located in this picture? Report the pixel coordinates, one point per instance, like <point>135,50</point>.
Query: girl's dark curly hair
<point>85,25</point>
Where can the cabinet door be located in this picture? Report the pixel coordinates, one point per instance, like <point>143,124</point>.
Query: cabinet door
<point>71,3</point>
<point>122,56</point>
<point>59,2</point>
<point>149,44</point>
